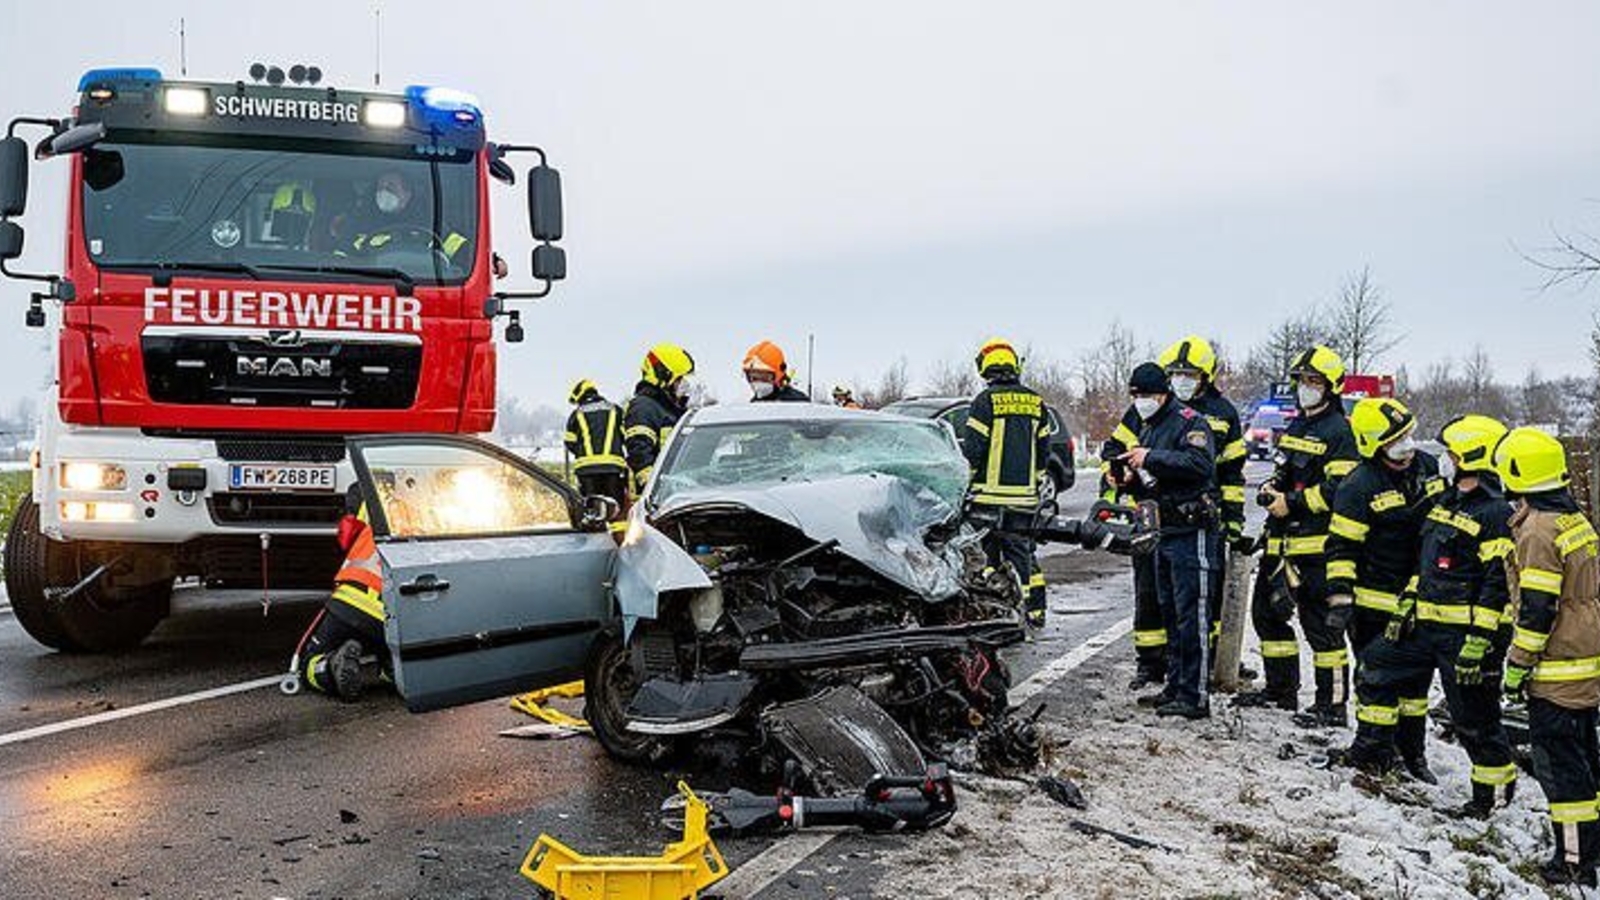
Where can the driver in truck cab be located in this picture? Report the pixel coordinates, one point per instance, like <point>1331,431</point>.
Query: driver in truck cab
<point>392,220</point>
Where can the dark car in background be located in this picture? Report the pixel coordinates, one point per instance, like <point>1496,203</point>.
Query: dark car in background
<point>1060,466</point>
<point>1266,425</point>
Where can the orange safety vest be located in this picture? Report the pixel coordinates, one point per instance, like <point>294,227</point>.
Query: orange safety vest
<point>360,580</point>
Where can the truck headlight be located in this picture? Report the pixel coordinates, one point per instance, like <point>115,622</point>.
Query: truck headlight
<point>91,476</point>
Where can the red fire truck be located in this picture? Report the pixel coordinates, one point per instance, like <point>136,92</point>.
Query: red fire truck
<point>253,271</point>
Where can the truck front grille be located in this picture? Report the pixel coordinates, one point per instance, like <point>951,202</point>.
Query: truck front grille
<point>240,508</point>
<point>296,450</point>
<point>281,371</point>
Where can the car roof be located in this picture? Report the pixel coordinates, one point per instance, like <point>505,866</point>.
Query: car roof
<point>738,413</point>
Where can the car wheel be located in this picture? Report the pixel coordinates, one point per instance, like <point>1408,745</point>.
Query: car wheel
<point>609,685</point>
<point>1048,489</point>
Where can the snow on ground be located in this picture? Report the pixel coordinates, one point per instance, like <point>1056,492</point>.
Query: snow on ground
<point>1235,804</point>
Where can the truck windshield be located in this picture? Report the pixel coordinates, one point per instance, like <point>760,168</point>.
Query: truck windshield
<point>256,212</point>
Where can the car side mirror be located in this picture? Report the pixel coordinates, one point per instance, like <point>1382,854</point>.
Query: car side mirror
<point>599,510</point>
<point>10,241</point>
<point>544,203</point>
<point>549,262</point>
<point>13,176</point>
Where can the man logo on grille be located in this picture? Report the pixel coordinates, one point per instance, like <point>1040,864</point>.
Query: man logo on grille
<point>285,367</point>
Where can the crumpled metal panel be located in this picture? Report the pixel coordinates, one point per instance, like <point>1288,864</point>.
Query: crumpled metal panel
<point>842,740</point>
<point>879,520</point>
<point>648,564</point>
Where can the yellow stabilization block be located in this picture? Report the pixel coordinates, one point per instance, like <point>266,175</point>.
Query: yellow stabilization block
<point>681,872</point>
<point>533,703</point>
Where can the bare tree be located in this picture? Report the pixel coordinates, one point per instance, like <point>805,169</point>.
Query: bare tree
<point>1269,360</point>
<point>1104,374</point>
<point>1574,258</point>
<point>892,385</point>
<point>1360,323</point>
<point>952,379</point>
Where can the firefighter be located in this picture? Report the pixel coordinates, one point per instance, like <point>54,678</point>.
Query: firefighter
<point>842,396</point>
<point>350,624</point>
<point>1554,660</point>
<point>1005,439</point>
<point>394,222</point>
<point>594,441</point>
<point>1119,485</point>
<point>1314,454</point>
<point>658,402</point>
<point>1175,462</point>
<point>290,212</point>
<point>767,373</point>
<point>1191,366</point>
<point>1374,543</point>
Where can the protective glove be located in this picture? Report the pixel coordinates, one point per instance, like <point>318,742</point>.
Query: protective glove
<point>1341,609</point>
<point>1242,544</point>
<point>1515,676</point>
<point>1278,507</point>
<point>1469,662</point>
<point>1400,622</point>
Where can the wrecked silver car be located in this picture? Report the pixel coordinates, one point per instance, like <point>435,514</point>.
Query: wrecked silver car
<point>796,586</point>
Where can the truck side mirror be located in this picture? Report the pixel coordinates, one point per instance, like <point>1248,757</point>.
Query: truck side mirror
<point>549,263</point>
<point>544,203</point>
<point>78,137</point>
<point>10,241</point>
<point>13,176</point>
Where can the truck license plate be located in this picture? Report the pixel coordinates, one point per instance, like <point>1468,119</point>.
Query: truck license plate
<point>280,478</point>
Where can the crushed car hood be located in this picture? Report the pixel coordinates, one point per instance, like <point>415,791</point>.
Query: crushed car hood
<point>878,520</point>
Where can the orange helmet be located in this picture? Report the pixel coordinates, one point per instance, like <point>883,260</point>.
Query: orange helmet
<point>767,357</point>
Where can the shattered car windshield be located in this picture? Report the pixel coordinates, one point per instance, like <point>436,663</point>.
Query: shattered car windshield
<point>753,454</point>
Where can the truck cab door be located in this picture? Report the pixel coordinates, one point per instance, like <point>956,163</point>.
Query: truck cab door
<point>491,583</point>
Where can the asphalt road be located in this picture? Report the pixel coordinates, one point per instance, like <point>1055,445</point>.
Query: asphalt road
<point>255,794</point>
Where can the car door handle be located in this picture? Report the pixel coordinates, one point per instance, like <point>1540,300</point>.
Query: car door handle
<point>425,584</point>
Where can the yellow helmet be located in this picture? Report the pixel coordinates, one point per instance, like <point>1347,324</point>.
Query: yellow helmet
<point>665,365</point>
<point>581,389</point>
<point>1377,421</point>
<point>1472,439</point>
<point>1320,360</point>
<point>996,353</point>
<point>1192,353</point>
<point>1530,461</point>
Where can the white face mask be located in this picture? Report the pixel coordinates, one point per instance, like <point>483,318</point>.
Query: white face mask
<point>682,388</point>
<point>1402,450</point>
<point>1308,396</point>
<point>1185,386</point>
<point>762,389</point>
<point>388,201</point>
<point>1146,406</point>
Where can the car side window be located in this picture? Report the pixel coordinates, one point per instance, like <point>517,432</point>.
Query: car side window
<point>956,416</point>
<point>443,490</point>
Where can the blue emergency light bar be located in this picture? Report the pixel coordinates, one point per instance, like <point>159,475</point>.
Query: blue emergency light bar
<point>122,73</point>
<point>459,106</point>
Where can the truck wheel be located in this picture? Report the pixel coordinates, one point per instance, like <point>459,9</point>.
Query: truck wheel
<point>99,619</point>
<point>609,684</point>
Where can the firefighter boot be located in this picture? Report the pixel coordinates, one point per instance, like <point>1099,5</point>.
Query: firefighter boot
<point>1411,739</point>
<point>339,673</point>
<point>1319,715</point>
<point>1481,806</point>
<point>1280,698</point>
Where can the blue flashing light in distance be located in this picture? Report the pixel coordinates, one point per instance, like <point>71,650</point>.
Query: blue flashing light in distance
<point>124,73</point>
<point>458,106</point>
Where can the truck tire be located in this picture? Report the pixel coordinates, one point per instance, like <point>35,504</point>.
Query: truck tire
<point>98,619</point>
<point>609,684</point>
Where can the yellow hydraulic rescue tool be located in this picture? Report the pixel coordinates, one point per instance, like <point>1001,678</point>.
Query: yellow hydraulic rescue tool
<point>535,703</point>
<point>681,872</point>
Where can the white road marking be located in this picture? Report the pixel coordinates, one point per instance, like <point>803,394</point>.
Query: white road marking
<point>769,865</point>
<point>113,715</point>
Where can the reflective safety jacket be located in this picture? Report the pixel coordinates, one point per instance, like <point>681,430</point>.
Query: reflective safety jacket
<point>450,245</point>
<point>1006,439</point>
<point>594,437</point>
<point>1375,530</point>
<point>1228,438</point>
<point>1182,467</point>
<point>358,586</point>
<point>651,415</point>
<point>1461,577</point>
<point>1558,615</point>
<point>1315,453</point>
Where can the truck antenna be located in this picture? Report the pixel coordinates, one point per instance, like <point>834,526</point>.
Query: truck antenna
<point>183,48</point>
<point>377,45</point>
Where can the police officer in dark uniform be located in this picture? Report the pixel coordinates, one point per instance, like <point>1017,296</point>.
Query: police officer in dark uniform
<point>1315,453</point>
<point>1119,486</point>
<point>659,401</point>
<point>1176,463</point>
<point>1005,439</point>
<point>594,441</point>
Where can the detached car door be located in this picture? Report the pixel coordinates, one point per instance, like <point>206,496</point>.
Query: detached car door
<point>490,585</point>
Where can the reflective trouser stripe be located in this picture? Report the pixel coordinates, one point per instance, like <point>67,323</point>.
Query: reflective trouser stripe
<point>1574,812</point>
<point>1446,613</point>
<point>1413,706</point>
<point>1155,637</point>
<point>1331,659</point>
<point>1372,714</point>
<point>1342,568</point>
<point>1380,601</point>
<point>1531,641</point>
<point>1567,669</point>
<point>1313,545</point>
<point>311,671</point>
<point>1495,775</point>
<point>1279,649</point>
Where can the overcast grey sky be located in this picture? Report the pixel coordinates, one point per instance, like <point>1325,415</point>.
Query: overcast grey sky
<point>907,178</point>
